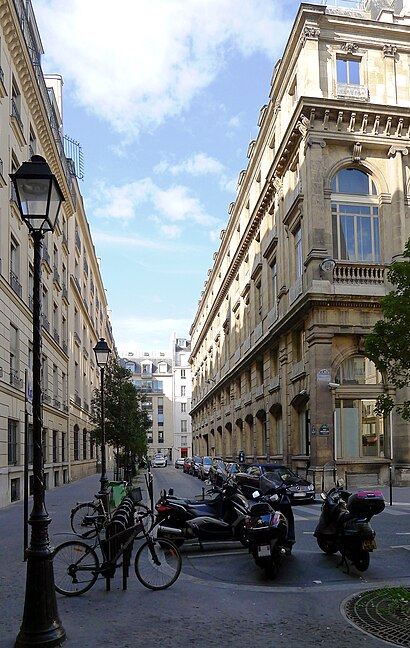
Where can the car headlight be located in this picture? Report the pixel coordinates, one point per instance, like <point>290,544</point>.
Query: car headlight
<point>310,487</point>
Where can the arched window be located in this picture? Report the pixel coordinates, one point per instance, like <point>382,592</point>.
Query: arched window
<point>355,217</point>
<point>358,370</point>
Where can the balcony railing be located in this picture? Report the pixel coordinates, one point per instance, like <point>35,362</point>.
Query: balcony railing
<point>16,114</point>
<point>15,284</point>
<point>46,323</point>
<point>15,381</point>
<point>349,273</point>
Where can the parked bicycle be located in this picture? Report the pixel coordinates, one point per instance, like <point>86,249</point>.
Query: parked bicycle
<point>85,515</point>
<point>77,565</point>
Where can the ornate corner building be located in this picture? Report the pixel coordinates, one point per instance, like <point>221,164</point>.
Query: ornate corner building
<point>322,210</point>
<point>74,306</point>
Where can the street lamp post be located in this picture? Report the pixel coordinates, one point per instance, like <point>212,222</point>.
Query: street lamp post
<point>102,352</point>
<point>39,199</point>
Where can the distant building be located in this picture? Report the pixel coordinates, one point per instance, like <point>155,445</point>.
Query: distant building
<point>165,381</point>
<point>322,210</point>
<point>182,397</point>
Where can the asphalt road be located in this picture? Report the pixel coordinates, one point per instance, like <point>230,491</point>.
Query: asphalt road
<point>308,567</point>
<point>221,597</point>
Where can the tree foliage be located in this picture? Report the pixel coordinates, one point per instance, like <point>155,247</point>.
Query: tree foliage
<point>126,422</point>
<point>389,343</point>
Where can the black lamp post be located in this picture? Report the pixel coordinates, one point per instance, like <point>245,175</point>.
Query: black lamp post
<point>39,199</point>
<point>102,352</point>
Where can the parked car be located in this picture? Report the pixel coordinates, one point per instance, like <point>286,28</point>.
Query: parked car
<point>187,464</point>
<point>195,466</point>
<point>179,463</point>
<point>262,477</point>
<point>203,468</point>
<point>159,461</point>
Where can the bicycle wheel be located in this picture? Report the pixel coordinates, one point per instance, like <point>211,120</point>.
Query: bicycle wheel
<point>143,515</point>
<point>79,525</point>
<point>157,563</point>
<point>75,568</point>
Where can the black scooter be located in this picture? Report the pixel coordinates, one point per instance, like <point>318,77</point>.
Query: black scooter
<point>270,529</point>
<point>219,516</point>
<point>344,525</point>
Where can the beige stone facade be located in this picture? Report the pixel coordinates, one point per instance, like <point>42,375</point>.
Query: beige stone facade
<point>322,209</point>
<point>74,308</point>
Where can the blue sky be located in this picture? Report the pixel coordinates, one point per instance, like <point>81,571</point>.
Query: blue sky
<point>164,99</point>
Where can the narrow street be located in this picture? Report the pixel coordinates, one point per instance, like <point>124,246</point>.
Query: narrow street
<point>220,597</point>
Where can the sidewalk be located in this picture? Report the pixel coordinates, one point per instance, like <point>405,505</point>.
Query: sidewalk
<point>59,503</point>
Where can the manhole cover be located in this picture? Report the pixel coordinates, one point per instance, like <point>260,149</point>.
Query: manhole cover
<point>383,613</point>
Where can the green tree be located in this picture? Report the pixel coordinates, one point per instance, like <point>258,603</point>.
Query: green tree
<point>126,422</point>
<point>389,343</point>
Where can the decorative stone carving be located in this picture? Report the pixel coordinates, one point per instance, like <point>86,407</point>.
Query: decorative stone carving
<point>350,48</point>
<point>357,152</point>
<point>389,50</point>
<point>310,32</point>
<point>397,149</point>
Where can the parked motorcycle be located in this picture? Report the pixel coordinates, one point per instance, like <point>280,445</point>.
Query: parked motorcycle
<point>344,525</point>
<point>270,528</point>
<point>219,516</point>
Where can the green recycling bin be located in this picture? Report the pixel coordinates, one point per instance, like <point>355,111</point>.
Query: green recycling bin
<point>118,491</point>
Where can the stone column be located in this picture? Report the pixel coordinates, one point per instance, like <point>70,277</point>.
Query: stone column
<point>395,227</point>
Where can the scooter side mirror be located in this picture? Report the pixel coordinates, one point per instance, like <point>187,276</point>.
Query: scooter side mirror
<point>323,496</point>
<point>256,494</point>
<point>171,491</point>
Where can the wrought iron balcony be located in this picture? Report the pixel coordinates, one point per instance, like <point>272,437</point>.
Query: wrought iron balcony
<point>15,284</point>
<point>15,113</point>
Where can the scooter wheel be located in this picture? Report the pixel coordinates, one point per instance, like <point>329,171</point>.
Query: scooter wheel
<point>326,544</point>
<point>242,536</point>
<point>362,560</point>
<point>271,570</point>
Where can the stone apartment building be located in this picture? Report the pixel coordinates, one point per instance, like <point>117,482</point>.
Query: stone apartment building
<point>74,307</point>
<point>164,379</point>
<point>322,210</point>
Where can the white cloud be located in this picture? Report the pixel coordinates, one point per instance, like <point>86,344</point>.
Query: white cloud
<point>171,231</point>
<point>146,61</point>
<point>143,199</point>
<point>197,165</point>
<point>129,241</point>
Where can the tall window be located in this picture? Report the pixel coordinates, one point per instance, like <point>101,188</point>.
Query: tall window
<point>355,217</point>
<point>12,442</point>
<point>55,446</point>
<point>297,240</point>
<point>348,70</point>
<point>183,390</point>
<point>183,407</point>
<point>76,445</point>
<point>14,365</point>
<point>274,279</point>
<point>183,426</point>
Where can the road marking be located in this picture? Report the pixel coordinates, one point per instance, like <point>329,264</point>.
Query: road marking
<point>400,547</point>
<point>402,532</point>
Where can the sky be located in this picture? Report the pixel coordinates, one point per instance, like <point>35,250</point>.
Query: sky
<point>163,97</point>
